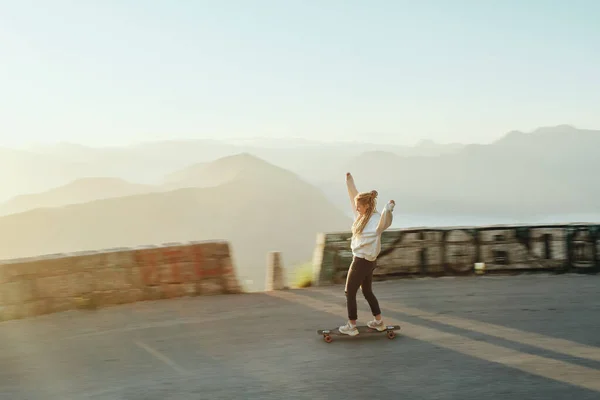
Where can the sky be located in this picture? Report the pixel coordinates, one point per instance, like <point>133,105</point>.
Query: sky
<point>389,71</point>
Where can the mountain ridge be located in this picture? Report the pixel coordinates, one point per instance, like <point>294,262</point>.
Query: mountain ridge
<point>255,213</point>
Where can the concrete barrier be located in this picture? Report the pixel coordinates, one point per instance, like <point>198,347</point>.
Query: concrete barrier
<point>275,279</point>
<point>460,250</point>
<point>60,282</point>
<point>417,252</point>
<point>548,248</point>
<point>456,251</point>
<point>583,247</point>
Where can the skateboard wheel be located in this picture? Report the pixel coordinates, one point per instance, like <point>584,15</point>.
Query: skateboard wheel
<point>327,338</point>
<point>391,334</point>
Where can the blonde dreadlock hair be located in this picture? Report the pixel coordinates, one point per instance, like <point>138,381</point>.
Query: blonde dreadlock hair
<point>368,199</point>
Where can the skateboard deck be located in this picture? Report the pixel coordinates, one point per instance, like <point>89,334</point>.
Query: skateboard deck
<point>362,329</point>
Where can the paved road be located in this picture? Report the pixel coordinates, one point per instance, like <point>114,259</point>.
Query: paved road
<point>529,337</point>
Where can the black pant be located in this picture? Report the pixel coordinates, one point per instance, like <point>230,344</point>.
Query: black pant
<point>360,274</point>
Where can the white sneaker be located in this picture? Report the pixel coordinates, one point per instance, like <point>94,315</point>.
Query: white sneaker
<point>348,329</point>
<point>378,325</point>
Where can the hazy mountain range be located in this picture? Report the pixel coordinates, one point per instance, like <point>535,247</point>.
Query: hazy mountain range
<point>523,175</point>
<point>42,168</point>
<point>278,194</point>
<point>255,205</point>
<point>81,190</point>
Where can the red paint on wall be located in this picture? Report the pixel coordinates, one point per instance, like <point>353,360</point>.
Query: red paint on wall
<point>149,263</point>
<point>148,267</point>
<point>198,261</point>
<point>173,256</point>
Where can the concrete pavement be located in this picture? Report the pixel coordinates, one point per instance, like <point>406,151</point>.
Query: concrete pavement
<point>528,337</point>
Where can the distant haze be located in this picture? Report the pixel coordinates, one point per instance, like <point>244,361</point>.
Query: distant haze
<point>138,122</point>
<point>115,73</point>
<point>277,195</point>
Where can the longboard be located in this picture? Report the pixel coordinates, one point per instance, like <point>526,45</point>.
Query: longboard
<point>362,329</point>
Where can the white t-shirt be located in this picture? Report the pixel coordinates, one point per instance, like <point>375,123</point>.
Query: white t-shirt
<point>367,244</point>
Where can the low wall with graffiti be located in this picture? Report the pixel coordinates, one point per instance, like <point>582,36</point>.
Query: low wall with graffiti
<point>456,250</point>
<point>89,280</point>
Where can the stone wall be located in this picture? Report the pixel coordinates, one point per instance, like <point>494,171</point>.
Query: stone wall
<point>455,250</point>
<point>88,280</point>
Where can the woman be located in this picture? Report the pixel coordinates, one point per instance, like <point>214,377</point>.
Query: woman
<point>368,226</point>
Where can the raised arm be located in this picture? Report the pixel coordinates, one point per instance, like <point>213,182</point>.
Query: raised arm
<point>386,217</point>
<point>352,192</point>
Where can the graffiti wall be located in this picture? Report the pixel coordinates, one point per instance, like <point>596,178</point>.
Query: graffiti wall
<point>456,250</point>
<point>413,252</point>
<point>583,247</point>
